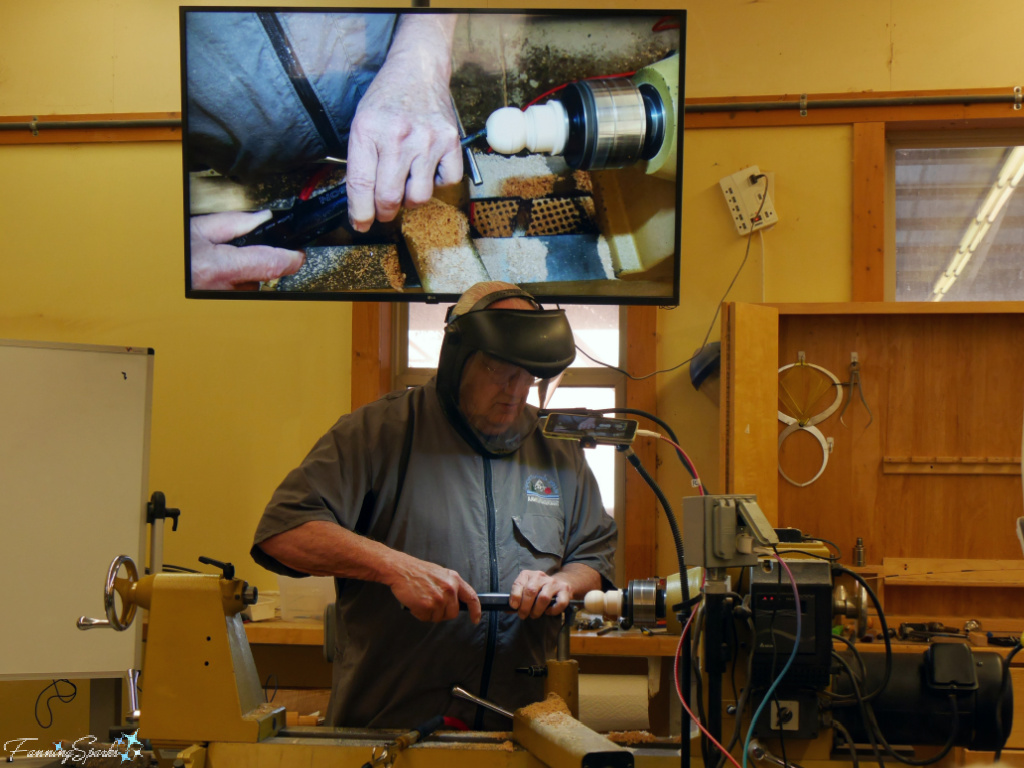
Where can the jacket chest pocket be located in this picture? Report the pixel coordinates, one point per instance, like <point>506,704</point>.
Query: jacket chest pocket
<point>540,538</point>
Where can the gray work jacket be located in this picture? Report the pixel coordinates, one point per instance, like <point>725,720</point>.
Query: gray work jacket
<point>487,519</point>
<point>253,108</point>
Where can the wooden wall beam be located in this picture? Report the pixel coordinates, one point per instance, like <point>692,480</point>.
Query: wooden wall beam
<point>371,351</point>
<point>869,187</point>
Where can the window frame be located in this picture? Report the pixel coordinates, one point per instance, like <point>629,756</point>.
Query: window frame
<point>928,139</point>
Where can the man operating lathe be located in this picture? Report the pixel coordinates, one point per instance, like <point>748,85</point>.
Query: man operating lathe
<point>417,502</point>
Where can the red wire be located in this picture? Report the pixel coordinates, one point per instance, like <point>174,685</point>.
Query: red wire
<point>314,181</point>
<point>454,722</point>
<point>693,467</point>
<point>682,700</point>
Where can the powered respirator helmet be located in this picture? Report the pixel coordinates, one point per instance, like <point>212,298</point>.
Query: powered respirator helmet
<point>538,340</point>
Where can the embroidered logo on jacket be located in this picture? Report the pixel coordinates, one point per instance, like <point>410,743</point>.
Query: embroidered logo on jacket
<point>541,490</point>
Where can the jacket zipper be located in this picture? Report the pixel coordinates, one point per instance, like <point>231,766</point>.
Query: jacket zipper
<point>492,616</point>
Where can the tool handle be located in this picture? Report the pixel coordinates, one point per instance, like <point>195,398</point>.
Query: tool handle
<point>303,223</point>
<point>490,601</point>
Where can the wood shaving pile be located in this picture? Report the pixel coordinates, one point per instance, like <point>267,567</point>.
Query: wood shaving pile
<point>632,737</point>
<point>551,711</point>
<point>438,238</point>
<point>514,260</point>
<point>347,268</point>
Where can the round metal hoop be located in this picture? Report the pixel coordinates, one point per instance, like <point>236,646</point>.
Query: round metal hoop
<point>826,449</point>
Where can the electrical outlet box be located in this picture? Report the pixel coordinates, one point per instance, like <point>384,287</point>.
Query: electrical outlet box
<point>749,200</point>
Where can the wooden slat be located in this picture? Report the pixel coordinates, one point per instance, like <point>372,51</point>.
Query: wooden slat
<point>902,308</point>
<point>748,424</point>
<point>935,572</point>
<point>869,185</point>
<point>949,465</point>
<point>371,352</point>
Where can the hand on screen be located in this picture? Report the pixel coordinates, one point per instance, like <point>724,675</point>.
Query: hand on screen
<point>404,138</point>
<point>217,266</point>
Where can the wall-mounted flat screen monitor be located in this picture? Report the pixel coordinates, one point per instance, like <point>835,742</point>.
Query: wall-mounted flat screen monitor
<point>403,155</point>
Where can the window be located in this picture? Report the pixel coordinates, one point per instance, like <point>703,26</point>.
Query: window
<point>586,384</point>
<point>959,223</point>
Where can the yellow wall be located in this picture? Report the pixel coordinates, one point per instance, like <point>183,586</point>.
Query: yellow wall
<point>91,238</point>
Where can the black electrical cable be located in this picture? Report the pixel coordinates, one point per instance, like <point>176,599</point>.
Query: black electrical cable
<point>862,703</point>
<point>684,582</point>
<point>266,684</point>
<point>860,663</point>
<point>1002,693</point>
<point>828,558</point>
<point>65,698</point>
<point>954,727</point>
<point>881,620</point>
<point>746,255</point>
<point>839,552</point>
<point>741,705</point>
<point>677,537</point>
<point>170,567</point>
<point>698,679</point>
<point>841,729</point>
<point>664,425</point>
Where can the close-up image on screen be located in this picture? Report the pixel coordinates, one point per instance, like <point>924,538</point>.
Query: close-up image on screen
<point>570,145</point>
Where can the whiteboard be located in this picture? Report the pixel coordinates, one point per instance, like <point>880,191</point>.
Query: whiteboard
<point>74,461</point>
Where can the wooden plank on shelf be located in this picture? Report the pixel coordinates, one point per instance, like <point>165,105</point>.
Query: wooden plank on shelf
<point>938,572</point>
<point>631,643</point>
<point>279,632</point>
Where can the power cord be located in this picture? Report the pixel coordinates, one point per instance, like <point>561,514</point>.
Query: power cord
<point>714,319</point>
<point>65,698</point>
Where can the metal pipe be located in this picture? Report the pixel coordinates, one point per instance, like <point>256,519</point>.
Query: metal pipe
<point>37,125</point>
<point>896,101</point>
<point>746,106</point>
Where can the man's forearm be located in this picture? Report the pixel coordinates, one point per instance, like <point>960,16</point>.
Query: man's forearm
<point>325,549</point>
<point>582,577</point>
<point>428,39</point>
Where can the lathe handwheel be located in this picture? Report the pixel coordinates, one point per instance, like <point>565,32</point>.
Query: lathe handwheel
<point>123,588</point>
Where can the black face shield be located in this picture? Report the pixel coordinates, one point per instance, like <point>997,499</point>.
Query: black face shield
<point>540,341</point>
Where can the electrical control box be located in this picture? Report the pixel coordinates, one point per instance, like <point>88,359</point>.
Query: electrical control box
<point>748,195</point>
<point>774,609</point>
<point>724,529</point>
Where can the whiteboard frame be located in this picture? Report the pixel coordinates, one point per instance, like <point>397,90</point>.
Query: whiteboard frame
<point>75,423</point>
